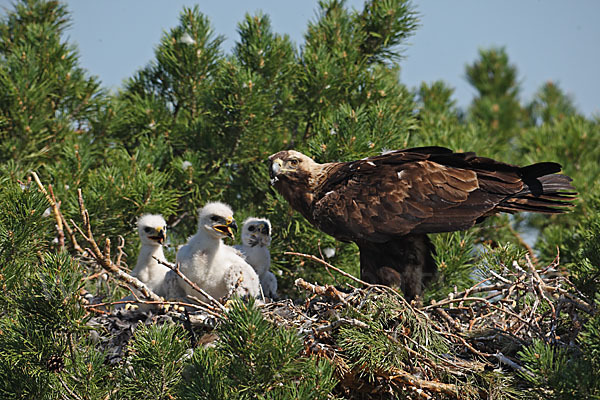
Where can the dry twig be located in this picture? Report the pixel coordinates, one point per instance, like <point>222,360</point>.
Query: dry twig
<point>103,259</point>
<point>61,223</point>
<point>175,268</point>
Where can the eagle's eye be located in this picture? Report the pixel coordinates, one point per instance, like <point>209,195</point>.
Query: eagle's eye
<point>293,162</point>
<point>251,228</point>
<point>215,218</point>
<point>147,229</point>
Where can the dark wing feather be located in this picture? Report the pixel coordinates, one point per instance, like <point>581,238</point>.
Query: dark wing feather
<point>431,189</point>
<point>379,199</point>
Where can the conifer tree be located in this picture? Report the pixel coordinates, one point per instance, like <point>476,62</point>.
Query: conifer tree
<point>46,99</point>
<point>197,124</point>
<point>550,105</point>
<point>497,103</point>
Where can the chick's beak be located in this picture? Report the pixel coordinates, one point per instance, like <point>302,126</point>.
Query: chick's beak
<point>160,235</point>
<point>227,229</point>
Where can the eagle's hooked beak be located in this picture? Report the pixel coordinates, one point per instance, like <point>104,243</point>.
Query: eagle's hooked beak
<point>228,229</point>
<point>277,169</point>
<point>160,235</point>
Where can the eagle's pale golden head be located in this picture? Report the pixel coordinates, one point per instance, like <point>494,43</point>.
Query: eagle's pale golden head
<point>291,165</point>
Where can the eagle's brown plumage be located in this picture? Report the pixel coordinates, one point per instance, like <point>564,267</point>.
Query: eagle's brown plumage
<point>387,204</point>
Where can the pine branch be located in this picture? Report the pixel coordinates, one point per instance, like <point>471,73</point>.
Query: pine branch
<point>507,361</point>
<point>404,378</point>
<point>64,385</point>
<point>368,285</point>
<point>327,265</point>
<point>326,290</point>
<point>340,322</point>
<point>103,259</point>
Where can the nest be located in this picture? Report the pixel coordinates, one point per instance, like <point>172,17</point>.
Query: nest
<point>479,329</point>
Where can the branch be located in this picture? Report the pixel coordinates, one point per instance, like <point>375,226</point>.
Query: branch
<point>55,210</point>
<point>64,384</point>
<point>326,290</point>
<point>505,360</point>
<point>326,264</point>
<point>342,321</point>
<point>103,259</point>
<point>175,268</point>
<point>396,374</point>
<point>61,222</point>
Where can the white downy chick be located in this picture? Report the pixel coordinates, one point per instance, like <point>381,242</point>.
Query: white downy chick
<point>153,233</point>
<point>212,265</point>
<point>256,239</point>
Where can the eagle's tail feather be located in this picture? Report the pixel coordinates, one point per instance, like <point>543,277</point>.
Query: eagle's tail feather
<point>549,194</point>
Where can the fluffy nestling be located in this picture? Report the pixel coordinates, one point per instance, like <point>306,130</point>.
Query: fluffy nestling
<point>387,204</point>
<point>153,232</point>
<point>214,266</point>
<point>256,239</point>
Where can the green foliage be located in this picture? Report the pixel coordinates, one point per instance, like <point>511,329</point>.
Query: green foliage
<point>375,348</point>
<point>256,359</point>
<point>45,96</point>
<point>550,105</point>
<point>88,373</point>
<point>197,125</point>
<point>454,255</point>
<point>23,229</point>
<point>581,251</point>
<point>563,373</point>
<point>40,319</point>
<point>589,369</point>
<point>544,363</point>
<point>497,105</point>
<point>155,363</point>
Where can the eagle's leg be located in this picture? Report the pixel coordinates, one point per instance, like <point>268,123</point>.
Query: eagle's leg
<point>404,262</point>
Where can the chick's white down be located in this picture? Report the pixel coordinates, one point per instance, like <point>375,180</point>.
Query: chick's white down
<point>211,264</point>
<point>256,239</point>
<point>153,232</point>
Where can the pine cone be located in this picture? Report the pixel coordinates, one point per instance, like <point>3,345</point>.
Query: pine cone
<point>55,363</point>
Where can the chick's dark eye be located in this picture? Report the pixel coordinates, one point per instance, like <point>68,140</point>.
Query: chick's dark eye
<point>147,229</point>
<point>293,162</point>
<point>251,228</point>
<point>215,218</point>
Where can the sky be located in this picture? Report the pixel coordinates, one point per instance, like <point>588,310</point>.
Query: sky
<point>547,40</point>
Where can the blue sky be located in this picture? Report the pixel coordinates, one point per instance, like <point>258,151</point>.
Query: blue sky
<point>549,40</point>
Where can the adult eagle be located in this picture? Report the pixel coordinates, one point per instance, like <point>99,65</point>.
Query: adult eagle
<point>387,204</point>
